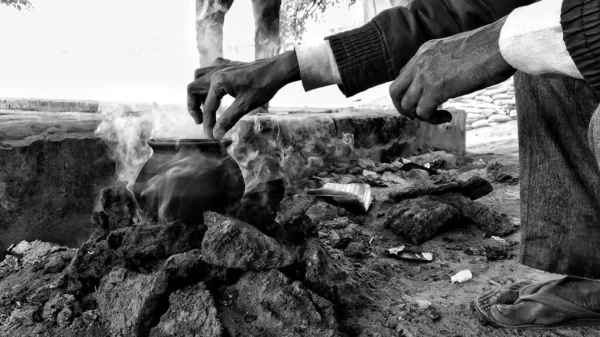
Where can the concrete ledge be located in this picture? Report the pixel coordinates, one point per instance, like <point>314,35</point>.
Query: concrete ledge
<point>52,166</point>
<point>297,146</point>
<point>48,105</point>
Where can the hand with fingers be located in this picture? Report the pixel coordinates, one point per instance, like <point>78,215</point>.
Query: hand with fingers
<point>447,68</point>
<point>251,84</point>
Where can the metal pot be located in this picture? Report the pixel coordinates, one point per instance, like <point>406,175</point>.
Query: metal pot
<point>185,178</point>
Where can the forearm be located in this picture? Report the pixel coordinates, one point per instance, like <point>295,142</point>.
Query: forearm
<point>376,52</point>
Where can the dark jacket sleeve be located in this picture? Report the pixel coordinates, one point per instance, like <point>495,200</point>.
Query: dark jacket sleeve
<point>374,53</point>
<point>580,21</point>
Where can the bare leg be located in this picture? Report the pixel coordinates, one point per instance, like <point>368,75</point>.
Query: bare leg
<point>210,16</point>
<point>266,34</point>
<point>266,22</point>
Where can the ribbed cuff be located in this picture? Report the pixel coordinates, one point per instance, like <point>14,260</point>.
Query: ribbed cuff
<point>580,21</point>
<point>360,51</point>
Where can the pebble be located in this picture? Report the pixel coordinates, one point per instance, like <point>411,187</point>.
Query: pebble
<point>502,96</point>
<point>498,118</point>
<point>505,101</point>
<point>487,112</point>
<point>480,124</point>
<point>487,99</point>
<point>473,110</point>
<point>473,117</point>
<point>492,92</point>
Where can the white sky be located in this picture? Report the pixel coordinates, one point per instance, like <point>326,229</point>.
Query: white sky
<point>133,50</point>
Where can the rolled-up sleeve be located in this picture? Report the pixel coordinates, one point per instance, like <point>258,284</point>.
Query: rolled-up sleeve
<point>531,41</point>
<point>317,65</point>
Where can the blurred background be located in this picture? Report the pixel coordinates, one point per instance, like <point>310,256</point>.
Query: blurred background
<point>145,50</point>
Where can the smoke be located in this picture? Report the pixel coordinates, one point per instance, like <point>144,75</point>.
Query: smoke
<point>126,130</point>
<point>287,147</point>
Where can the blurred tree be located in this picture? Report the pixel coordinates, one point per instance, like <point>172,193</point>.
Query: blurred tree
<point>295,14</point>
<point>18,4</point>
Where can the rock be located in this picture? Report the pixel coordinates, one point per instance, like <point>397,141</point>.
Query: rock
<point>270,304</point>
<point>495,250</point>
<point>473,117</point>
<point>357,250</point>
<point>60,309</point>
<point>118,204</point>
<point>127,301</point>
<point>416,174</point>
<point>365,163</point>
<point>495,91</point>
<point>502,174</point>
<point>233,244</point>
<point>191,312</point>
<point>143,244</point>
<point>294,219</point>
<point>30,286</point>
<point>189,268</point>
<point>321,212</point>
<point>482,98</point>
<point>502,102</point>
<point>260,206</point>
<point>33,252</point>
<point>474,187</point>
<point>485,218</point>
<point>346,180</point>
<point>502,96</point>
<point>355,170</point>
<point>9,265</point>
<point>499,118</point>
<point>420,219</point>
<point>92,262</point>
<point>330,278</point>
<point>513,113</point>
<point>59,261</point>
<point>447,161</point>
<point>370,174</point>
<point>392,178</point>
<point>480,124</point>
<point>476,111</point>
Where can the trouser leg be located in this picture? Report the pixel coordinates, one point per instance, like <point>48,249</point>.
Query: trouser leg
<point>559,176</point>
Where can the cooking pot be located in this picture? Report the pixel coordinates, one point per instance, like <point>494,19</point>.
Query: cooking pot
<point>185,178</point>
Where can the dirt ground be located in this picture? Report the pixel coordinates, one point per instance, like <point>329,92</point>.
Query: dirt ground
<point>418,299</point>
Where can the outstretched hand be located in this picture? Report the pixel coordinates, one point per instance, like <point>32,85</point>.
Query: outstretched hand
<point>251,84</point>
<point>447,68</point>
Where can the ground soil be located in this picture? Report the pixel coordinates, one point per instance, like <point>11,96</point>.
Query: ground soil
<point>443,309</point>
<point>357,290</point>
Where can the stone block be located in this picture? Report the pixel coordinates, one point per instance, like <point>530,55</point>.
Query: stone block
<point>192,312</point>
<point>128,301</point>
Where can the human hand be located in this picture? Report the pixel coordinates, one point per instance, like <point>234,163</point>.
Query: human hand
<point>447,68</point>
<point>252,84</point>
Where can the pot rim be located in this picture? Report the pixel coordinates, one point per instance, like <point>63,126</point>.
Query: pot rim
<point>182,142</point>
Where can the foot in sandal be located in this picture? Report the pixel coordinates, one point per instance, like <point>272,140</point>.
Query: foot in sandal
<point>559,303</point>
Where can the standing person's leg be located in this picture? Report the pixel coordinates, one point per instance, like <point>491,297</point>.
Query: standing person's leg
<point>210,17</point>
<point>266,28</point>
<point>560,206</point>
<point>559,178</point>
